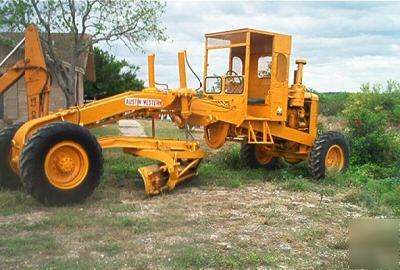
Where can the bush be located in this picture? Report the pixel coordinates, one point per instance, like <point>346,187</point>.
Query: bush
<point>332,104</point>
<point>368,116</point>
<point>382,99</point>
<point>396,114</point>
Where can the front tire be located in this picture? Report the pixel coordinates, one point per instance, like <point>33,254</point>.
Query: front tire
<point>255,156</point>
<point>8,178</point>
<point>61,164</point>
<point>330,152</point>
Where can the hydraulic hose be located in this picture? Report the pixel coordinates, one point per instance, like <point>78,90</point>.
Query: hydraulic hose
<point>194,73</point>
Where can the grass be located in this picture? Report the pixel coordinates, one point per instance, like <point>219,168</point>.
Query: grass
<point>135,225</point>
<point>165,129</point>
<point>310,234</point>
<point>19,246</point>
<point>109,130</point>
<point>68,264</point>
<point>272,216</point>
<point>111,249</point>
<point>121,208</point>
<point>226,178</point>
<point>194,257</point>
<point>16,202</point>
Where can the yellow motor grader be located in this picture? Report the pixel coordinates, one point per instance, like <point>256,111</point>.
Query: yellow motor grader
<point>245,99</point>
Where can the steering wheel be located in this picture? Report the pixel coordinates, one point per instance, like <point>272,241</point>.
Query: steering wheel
<point>234,73</point>
<point>230,72</point>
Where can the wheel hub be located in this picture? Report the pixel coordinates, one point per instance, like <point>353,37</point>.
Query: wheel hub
<point>66,165</point>
<point>263,154</point>
<point>334,158</point>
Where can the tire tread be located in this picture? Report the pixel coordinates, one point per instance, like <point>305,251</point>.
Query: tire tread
<point>40,188</point>
<point>320,148</point>
<point>8,178</point>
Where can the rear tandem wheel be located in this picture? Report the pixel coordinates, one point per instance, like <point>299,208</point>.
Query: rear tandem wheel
<point>256,156</point>
<point>8,178</point>
<point>61,164</point>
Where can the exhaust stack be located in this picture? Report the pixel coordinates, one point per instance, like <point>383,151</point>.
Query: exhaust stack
<point>297,91</point>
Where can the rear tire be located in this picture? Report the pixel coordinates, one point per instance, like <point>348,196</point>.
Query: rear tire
<point>331,151</point>
<point>8,178</point>
<point>249,158</point>
<point>61,164</point>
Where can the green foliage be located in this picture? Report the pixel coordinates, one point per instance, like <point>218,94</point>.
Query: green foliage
<point>396,113</point>
<point>369,114</point>
<point>379,98</point>
<point>333,103</point>
<point>370,185</point>
<point>375,187</point>
<point>113,76</point>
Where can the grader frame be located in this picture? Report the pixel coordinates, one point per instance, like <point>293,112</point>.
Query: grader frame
<point>254,107</point>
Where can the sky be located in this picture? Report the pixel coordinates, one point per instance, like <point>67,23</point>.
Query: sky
<point>345,43</point>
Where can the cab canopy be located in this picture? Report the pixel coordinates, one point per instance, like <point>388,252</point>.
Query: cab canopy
<point>249,62</point>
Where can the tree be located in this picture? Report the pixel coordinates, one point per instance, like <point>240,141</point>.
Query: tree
<point>113,76</point>
<point>132,22</point>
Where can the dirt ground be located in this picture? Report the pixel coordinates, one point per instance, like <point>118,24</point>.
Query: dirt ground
<point>198,227</point>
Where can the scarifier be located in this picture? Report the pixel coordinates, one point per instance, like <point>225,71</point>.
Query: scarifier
<point>59,161</point>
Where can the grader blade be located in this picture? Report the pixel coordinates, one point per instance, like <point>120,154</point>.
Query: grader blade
<point>179,159</point>
<point>154,178</point>
<point>160,178</point>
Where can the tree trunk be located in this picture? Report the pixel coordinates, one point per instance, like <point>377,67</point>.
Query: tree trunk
<point>65,77</point>
<point>70,99</point>
<point>71,93</point>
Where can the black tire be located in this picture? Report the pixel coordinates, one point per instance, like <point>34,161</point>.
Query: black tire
<point>32,164</point>
<point>320,149</point>
<point>8,178</point>
<point>248,156</point>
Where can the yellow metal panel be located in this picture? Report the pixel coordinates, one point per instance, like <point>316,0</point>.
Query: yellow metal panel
<point>283,44</point>
<point>182,69</point>
<point>227,46</point>
<point>151,72</point>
